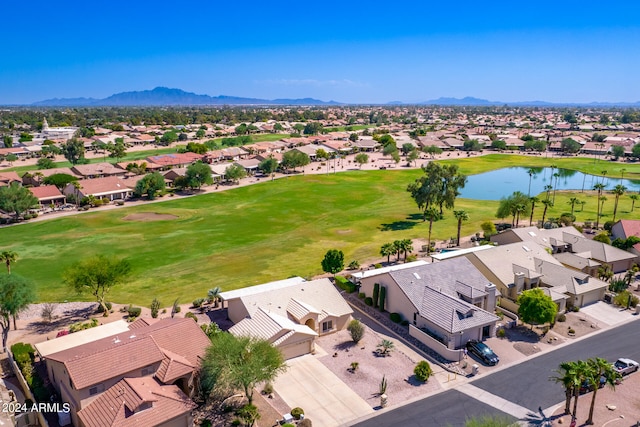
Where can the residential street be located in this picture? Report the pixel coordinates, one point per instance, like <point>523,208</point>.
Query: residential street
<point>525,385</point>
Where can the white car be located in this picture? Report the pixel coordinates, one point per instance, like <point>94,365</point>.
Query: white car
<point>625,366</point>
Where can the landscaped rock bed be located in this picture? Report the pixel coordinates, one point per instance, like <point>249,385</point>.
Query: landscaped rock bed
<point>337,352</point>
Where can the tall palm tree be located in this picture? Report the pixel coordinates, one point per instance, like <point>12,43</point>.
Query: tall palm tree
<point>622,171</point>
<point>572,201</point>
<point>460,216</point>
<point>548,189</point>
<point>598,187</point>
<point>431,214</point>
<point>602,200</point>
<point>582,203</point>
<point>546,204</point>
<point>8,257</point>
<point>533,201</point>
<point>600,368</point>
<point>633,198</point>
<point>581,371</point>
<point>387,250</point>
<point>618,190</point>
<point>567,378</point>
<point>604,173</point>
<point>531,173</point>
<point>555,187</point>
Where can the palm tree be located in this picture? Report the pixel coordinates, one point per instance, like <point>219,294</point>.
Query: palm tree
<point>555,187</point>
<point>581,371</point>
<point>387,250</point>
<point>407,246</point>
<point>582,203</point>
<point>432,214</point>
<point>598,187</point>
<point>531,173</point>
<point>622,171</point>
<point>618,190</point>
<point>572,201</point>
<point>397,246</point>
<point>602,200</point>
<point>460,216</point>
<point>546,204</point>
<point>633,198</point>
<point>533,201</point>
<point>548,189</point>
<point>604,173</point>
<point>600,368</point>
<point>519,208</point>
<point>567,378</point>
<point>8,257</point>
<point>385,347</point>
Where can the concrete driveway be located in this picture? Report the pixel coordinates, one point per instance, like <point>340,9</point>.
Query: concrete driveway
<point>326,400</point>
<point>608,314</point>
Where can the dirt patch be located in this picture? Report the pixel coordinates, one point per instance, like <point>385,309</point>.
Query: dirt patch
<point>149,216</point>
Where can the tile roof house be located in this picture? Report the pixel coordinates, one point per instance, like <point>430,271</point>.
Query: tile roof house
<point>48,194</point>
<point>289,313</point>
<point>97,170</point>
<point>111,187</point>
<point>452,301</point>
<point>175,159</point>
<point>152,363</point>
<point>524,265</point>
<point>6,178</point>
<point>625,228</point>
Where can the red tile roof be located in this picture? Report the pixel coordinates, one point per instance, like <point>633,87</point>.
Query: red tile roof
<point>175,159</point>
<point>46,192</point>
<point>136,402</point>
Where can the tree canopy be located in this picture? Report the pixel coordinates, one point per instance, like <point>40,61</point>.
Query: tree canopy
<point>439,186</point>
<point>516,205</point>
<point>150,185</point>
<point>293,159</point>
<point>233,363</point>
<point>60,180</point>
<point>97,275</point>
<point>198,174</point>
<point>73,151</point>
<point>536,307</point>
<point>333,261</point>
<point>235,173</point>
<point>17,199</point>
<point>16,293</point>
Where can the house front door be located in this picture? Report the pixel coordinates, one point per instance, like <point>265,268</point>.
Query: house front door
<point>486,331</point>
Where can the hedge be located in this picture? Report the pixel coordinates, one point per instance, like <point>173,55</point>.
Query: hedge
<point>345,284</point>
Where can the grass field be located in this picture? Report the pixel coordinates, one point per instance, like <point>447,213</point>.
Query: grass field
<point>252,234</point>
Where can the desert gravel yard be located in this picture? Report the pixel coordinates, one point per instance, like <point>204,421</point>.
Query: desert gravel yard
<point>337,352</point>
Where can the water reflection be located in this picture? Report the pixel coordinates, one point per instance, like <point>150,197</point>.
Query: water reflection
<point>502,182</point>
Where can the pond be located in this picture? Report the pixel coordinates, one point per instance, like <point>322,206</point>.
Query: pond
<point>503,182</point>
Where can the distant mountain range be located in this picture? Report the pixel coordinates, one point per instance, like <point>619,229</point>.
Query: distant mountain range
<point>162,96</point>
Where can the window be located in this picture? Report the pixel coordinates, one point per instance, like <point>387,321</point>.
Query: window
<point>96,389</point>
<point>327,326</point>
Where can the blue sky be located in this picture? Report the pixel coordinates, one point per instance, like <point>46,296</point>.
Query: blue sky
<point>364,52</point>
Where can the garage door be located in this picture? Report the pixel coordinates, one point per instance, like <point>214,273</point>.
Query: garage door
<point>290,351</point>
<point>590,298</point>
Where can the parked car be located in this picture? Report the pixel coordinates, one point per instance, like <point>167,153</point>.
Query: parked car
<point>625,366</point>
<point>586,386</point>
<point>483,351</point>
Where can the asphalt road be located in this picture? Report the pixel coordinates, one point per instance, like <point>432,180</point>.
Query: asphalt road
<point>526,384</point>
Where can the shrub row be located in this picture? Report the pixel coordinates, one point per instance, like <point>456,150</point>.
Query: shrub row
<point>345,284</point>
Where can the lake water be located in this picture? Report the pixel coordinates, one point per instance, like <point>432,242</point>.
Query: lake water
<point>503,182</point>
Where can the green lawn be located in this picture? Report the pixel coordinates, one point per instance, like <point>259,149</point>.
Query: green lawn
<point>253,234</point>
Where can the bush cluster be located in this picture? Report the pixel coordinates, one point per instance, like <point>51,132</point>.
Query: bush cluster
<point>79,326</point>
<point>24,355</point>
<point>345,284</point>
<point>395,317</point>
<point>134,311</point>
<point>368,301</point>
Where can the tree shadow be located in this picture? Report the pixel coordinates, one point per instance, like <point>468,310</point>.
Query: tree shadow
<point>220,316</point>
<point>521,334</point>
<point>397,226</point>
<point>63,321</point>
<point>345,345</point>
<point>412,380</point>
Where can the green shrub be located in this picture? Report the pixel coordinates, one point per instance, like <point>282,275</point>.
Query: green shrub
<point>395,317</point>
<point>368,301</point>
<point>101,310</point>
<point>608,225</point>
<point>378,265</point>
<point>197,303</point>
<point>561,317</point>
<point>23,353</point>
<point>422,371</point>
<point>288,425</point>
<point>345,284</point>
<point>356,329</point>
<point>575,309</point>
<point>622,299</point>
<point>155,308</point>
<point>134,311</point>
<point>411,258</point>
<point>361,295</point>
<point>501,333</point>
<point>190,315</point>
<point>376,294</point>
<point>296,412</point>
